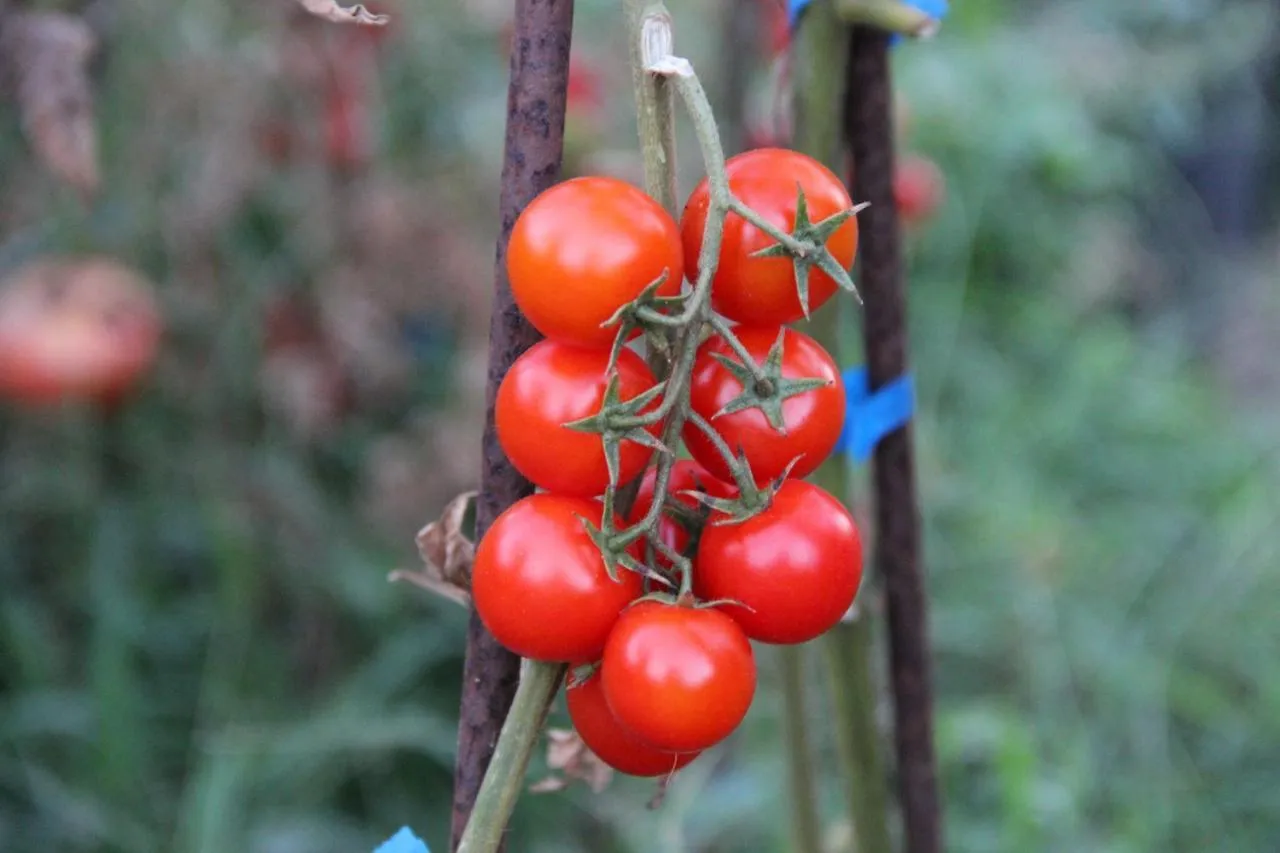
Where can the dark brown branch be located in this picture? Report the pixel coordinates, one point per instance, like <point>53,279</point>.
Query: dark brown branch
<point>532,156</point>
<point>869,130</point>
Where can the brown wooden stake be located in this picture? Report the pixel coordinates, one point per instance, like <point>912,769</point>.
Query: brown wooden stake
<point>869,132</point>
<point>532,158</point>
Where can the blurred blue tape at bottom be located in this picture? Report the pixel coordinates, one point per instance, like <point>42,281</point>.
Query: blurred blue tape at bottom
<point>872,416</point>
<point>403,841</point>
<point>932,8</point>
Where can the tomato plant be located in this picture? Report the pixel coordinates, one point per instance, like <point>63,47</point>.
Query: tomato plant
<point>540,584</point>
<point>552,384</point>
<point>763,290</point>
<point>680,678</point>
<point>75,330</point>
<point>615,746</point>
<point>686,476</point>
<point>813,419</point>
<point>794,568</point>
<point>583,249</point>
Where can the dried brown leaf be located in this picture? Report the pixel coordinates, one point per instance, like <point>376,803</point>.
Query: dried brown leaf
<point>330,10</point>
<point>447,554</point>
<point>576,762</point>
<point>45,57</point>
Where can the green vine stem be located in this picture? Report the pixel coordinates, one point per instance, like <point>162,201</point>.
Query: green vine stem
<point>806,827</point>
<point>504,779</point>
<point>820,53</point>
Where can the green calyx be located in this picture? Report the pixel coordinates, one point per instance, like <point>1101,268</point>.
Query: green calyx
<point>764,387</point>
<point>648,312</point>
<point>621,420</point>
<point>808,249</point>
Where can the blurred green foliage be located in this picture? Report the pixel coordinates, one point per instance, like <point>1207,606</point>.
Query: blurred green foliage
<point>200,652</point>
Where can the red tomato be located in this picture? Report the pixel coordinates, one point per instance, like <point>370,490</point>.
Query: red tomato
<point>615,746</point>
<point>686,476</point>
<point>540,585</point>
<point>583,249</point>
<point>813,419</point>
<point>796,565</point>
<point>553,384</point>
<point>679,678</point>
<point>75,330</point>
<point>762,291</point>
<point>918,188</point>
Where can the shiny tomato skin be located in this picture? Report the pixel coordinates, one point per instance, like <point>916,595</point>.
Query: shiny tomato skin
<point>584,248</point>
<point>540,585</point>
<point>552,384</point>
<point>686,476</point>
<point>614,745</point>
<point>813,419</point>
<point>796,566</point>
<point>762,291</point>
<point>679,678</point>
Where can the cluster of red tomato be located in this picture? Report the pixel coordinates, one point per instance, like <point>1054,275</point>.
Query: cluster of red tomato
<point>675,674</point>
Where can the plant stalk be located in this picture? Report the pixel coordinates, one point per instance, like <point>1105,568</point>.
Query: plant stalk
<point>806,828</point>
<point>648,24</point>
<point>505,779</point>
<point>819,52</point>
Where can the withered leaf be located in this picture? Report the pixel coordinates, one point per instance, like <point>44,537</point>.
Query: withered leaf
<point>331,10</point>
<point>447,554</point>
<point>576,762</point>
<point>45,57</point>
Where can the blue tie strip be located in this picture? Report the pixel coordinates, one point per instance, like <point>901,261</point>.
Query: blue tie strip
<point>870,417</point>
<point>932,8</point>
<point>403,841</point>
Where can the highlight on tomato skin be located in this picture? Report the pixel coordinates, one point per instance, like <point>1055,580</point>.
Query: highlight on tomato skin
<point>763,291</point>
<point>613,744</point>
<point>75,329</point>
<point>678,677</point>
<point>552,384</point>
<point>584,248</point>
<point>539,583</point>
<point>794,569</point>
<point>813,419</point>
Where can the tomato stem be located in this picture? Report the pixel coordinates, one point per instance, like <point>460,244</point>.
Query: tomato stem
<point>504,779</point>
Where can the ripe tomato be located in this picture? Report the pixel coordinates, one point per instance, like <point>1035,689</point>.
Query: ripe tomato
<point>918,188</point>
<point>762,291</point>
<point>680,678</point>
<point>615,746</point>
<point>686,476</point>
<point>553,384</point>
<point>540,585</point>
<point>583,249</point>
<point>813,419</point>
<point>75,330</point>
<point>796,565</point>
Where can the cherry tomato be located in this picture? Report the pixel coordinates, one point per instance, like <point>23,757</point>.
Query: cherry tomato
<point>540,585</point>
<point>813,419</point>
<point>762,291</point>
<point>553,384</point>
<point>75,330</point>
<point>918,188</point>
<point>686,476</point>
<point>615,746</point>
<point>583,249</point>
<point>796,566</point>
<point>680,678</point>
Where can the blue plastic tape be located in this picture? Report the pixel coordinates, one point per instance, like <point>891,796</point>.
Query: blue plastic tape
<point>403,841</point>
<point>932,8</point>
<point>870,417</point>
